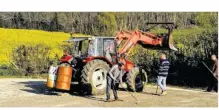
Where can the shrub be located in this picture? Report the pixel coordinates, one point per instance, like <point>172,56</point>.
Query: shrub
<point>32,59</point>
<point>10,70</point>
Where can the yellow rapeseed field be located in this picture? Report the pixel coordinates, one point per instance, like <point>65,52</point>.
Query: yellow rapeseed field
<point>12,38</point>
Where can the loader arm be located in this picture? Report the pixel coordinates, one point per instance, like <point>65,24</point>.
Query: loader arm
<point>132,38</point>
<point>145,39</point>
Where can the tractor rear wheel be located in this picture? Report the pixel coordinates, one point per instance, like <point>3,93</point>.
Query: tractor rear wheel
<point>136,79</point>
<point>93,77</point>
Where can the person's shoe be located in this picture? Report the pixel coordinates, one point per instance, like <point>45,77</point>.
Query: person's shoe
<point>108,100</point>
<point>163,93</point>
<point>118,99</point>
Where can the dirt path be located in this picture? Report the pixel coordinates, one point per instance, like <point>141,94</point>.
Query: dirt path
<point>16,92</point>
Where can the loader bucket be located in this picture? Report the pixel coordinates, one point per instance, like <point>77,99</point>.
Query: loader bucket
<point>166,44</point>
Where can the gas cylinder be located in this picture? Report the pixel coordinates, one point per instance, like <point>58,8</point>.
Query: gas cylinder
<point>52,74</point>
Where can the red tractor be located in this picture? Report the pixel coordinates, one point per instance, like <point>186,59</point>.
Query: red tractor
<point>95,56</point>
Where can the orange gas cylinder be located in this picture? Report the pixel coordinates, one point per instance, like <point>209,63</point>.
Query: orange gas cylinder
<point>63,81</point>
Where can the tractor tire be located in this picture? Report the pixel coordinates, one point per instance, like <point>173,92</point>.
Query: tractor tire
<point>93,77</point>
<point>136,80</point>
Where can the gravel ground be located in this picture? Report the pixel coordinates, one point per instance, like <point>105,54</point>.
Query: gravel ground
<point>18,92</point>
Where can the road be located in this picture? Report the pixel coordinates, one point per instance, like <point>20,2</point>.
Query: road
<point>19,92</point>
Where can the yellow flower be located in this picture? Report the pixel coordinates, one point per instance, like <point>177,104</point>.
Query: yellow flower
<point>12,38</point>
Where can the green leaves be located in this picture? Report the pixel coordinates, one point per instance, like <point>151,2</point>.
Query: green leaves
<point>207,19</point>
<point>107,23</point>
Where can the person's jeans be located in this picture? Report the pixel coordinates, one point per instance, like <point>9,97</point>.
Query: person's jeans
<point>161,81</point>
<point>110,84</point>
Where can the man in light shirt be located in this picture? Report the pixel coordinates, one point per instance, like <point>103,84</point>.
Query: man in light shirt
<point>114,76</point>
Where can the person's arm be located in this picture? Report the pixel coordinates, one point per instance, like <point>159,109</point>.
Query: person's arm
<point>111,72</point>
<point>215,68</point>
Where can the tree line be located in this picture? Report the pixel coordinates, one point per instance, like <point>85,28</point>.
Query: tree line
<point>103,23</point>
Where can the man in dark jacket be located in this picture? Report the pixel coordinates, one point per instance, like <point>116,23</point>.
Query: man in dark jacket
<point>213,83</point>
<point>114,76</point>
<point>163,72</point>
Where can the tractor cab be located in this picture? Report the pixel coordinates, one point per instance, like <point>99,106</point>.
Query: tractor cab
<point>89,48</point>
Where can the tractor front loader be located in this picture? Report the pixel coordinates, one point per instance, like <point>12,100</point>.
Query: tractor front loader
<point>95,56</point>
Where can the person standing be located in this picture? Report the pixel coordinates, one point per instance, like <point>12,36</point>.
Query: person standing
<point>91,48</point>
<point>162,73</point>
<point>213,83</point>
<point>114,76</point>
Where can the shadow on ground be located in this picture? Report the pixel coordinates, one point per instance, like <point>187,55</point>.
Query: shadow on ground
<point>150,93</point>
<point>37,87</point>
<point>93,97</point>
<point>76,91</point>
